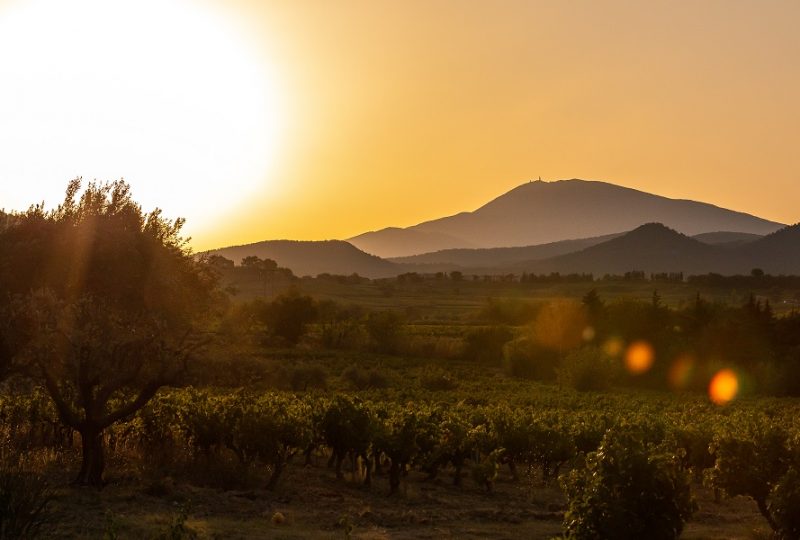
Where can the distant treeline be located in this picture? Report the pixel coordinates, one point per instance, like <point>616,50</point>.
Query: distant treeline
<point>757,279</point>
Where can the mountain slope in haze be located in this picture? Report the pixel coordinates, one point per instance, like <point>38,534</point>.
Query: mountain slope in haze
<point>656,248</point>
<point>498,257</point>
<point>726,238</point>
<point>397,240</point>
<point>652,247</point>
<point>545,212</point>
<point>776,253</point>
<point>314,257</point>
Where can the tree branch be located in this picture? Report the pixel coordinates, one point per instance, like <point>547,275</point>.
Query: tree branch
<point>66,414</point>
<point>141,400</point>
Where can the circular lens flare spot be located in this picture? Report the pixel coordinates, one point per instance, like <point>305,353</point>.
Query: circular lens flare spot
<point>724,387</point>
<point>588,333</point>
<point>680,372</point>
<point>613,347</point>
<point>639,357</point>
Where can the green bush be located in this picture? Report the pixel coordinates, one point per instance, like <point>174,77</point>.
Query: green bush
<point>627,490</point>
<point>753,465</point>
<point>396,436</point>
<point>349,426</point>
<point>588,369</point>
<point>784,504</point>
<point>384,329</point>
<point>340,326</point>
<point>289,315</point>
<point>526,359</point>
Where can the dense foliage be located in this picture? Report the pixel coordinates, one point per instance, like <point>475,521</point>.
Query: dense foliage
<point>628,491</point>
<point>101,304</point>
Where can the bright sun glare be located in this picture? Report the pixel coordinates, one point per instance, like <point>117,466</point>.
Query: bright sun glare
<point>165,93</point>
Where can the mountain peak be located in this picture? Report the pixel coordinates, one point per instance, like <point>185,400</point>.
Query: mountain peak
<point>540,212</point>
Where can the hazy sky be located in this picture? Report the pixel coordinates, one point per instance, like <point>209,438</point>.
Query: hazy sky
<point>389,113</point>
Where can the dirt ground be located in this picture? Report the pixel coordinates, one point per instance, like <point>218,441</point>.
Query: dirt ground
<point>311,503</point>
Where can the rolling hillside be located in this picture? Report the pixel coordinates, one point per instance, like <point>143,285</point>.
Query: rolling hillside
<point>494,257</point>
<point>312,258</point>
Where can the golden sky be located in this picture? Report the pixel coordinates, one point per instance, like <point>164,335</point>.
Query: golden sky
<point>391,113</point>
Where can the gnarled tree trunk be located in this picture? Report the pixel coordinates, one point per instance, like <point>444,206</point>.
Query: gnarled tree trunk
<point>93,462</point>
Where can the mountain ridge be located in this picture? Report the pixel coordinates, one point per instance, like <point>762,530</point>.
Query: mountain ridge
<point>540,212</point>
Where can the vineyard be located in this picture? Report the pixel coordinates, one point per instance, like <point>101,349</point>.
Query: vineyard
<point>594,447</point>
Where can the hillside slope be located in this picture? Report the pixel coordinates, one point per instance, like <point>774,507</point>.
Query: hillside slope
<point>545,212</point>
<point>652,247</point>
<point>314,257</point>
<point>494,257</point>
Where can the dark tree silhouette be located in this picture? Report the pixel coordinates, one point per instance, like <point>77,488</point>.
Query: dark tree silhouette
<point>106,304</point>
<point>289,315</point>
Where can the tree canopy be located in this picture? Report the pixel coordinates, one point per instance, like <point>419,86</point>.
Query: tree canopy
<point>102,304</point>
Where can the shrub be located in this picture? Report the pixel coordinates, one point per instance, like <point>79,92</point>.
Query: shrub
<point>23,504</point>
<point>588,369</point>
<point>288,316</point>
<point>271,429</point>
<point>484,472</point>
<point>753,466</point>
<point>486,344</point>
<point>527,359</point>
<point>785,500</point>
<point>438,380</point>
<point>360,379</point>
<point>305,376</point>
<point>355,377</point>
<point>627,491</point>
<point>508,311</point>
<point>396,436</point>
<point>340,326</point>
<point>550,447</point>
<point>384,330</point>
<point>348,426</point>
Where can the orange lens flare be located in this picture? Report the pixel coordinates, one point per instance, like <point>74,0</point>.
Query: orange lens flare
<point>613,347</point>
<point>680,372</point>
<point>639,357</point>
<point>724,387</point>
<point>588,333</point>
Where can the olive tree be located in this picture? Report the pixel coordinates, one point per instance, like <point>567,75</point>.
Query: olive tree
<point>106,305</point>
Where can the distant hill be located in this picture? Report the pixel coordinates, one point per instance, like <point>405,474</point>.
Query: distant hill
<point>395,240</point>
<point>776,253</point>
<point>726,238</point>
<point>312,258</point>
<point>545,212</point>
<point>497,257</point>
<point>652,247</point>
<point>656,248</point>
